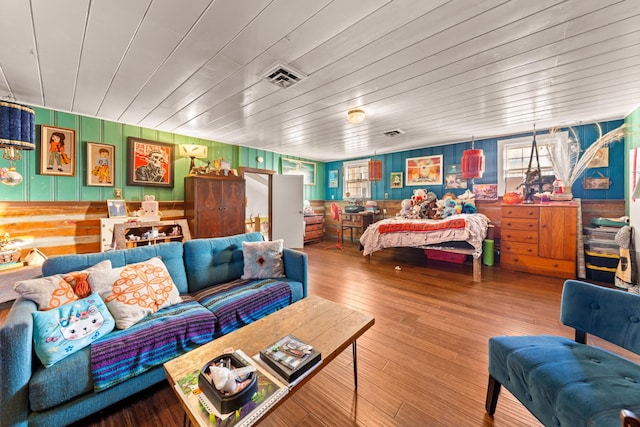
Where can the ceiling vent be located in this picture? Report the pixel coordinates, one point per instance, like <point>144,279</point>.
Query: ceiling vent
<point>283,75</point>
<point>394,132</point>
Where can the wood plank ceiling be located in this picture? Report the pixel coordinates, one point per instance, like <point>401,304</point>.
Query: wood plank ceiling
<point>441,71</point>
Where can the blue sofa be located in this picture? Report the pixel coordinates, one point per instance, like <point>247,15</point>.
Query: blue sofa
<point>565,382</point>
<point>64,393</point>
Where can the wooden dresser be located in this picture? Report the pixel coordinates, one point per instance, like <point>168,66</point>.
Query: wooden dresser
<point>313,227</point>
<point>539,239</point>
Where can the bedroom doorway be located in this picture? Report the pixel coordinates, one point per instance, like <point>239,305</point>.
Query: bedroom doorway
<point>258,204</point>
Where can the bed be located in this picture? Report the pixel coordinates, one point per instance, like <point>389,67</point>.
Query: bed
<point>463,233</point>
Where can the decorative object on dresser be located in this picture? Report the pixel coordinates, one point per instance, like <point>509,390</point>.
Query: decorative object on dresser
<point>313,228</point>
<point>540,239</point>
<point>214,205</point>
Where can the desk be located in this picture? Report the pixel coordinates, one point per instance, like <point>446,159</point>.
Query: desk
<point>360,220</point>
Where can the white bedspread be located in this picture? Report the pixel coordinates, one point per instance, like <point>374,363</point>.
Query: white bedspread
<point>435,232</point>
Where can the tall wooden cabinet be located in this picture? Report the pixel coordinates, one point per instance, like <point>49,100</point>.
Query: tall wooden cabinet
<point>539,239</point>
<point>214,205</point>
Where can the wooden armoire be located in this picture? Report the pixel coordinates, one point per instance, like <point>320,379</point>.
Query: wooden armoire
<point>214,205</point>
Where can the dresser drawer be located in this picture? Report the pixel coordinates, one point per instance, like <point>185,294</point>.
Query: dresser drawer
<point>538,265</point>
<point>314,219</point>
<point>313,227</point>
<point>520,211</point>
<point>519,248</point>
<point>313,235</point>
<point>522,236</point>
<point>520,224</point>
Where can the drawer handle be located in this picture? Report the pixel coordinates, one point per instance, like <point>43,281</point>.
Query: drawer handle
<point>508,246</point>
<point>529,213</point>
<point>509,235</point>
<point>509,211</point>
<point>530,225</point>
<point>509,224</point>
<point>529,237</point>
<point>529,250</point>
<point>543,225</point>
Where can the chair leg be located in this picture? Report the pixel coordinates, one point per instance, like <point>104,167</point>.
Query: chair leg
<point>493,391</point>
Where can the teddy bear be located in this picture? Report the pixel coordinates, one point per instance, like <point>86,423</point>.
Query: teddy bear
<point>450,206</point>
<point>428,209</point>
<point>405,208</point>
<point>419,196</point>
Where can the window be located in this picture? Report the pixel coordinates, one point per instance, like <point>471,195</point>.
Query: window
<point>356,180</point>
<point>513,161</point>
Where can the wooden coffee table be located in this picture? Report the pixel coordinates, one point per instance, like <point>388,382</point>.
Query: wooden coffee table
<point>328,326</point>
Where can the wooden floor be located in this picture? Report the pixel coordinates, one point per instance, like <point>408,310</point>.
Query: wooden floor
<point>423,363</point>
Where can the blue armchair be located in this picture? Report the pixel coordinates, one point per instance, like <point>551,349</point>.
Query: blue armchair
<point>565,382</point>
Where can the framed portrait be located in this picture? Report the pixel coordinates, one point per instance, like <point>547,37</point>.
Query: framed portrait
<point>426,170</point>
<point>396,180</point>
<point>57,151</point>
<point>101,164</point>
<point>300,167</point>
<point>600,160</point>
<point>333,179</point>
<point>116,208</point>
<point>150,163</point>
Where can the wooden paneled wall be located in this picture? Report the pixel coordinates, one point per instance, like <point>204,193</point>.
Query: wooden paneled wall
<point>58,228</point>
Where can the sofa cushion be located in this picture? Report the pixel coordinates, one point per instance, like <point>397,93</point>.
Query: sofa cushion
<point>241,302</point>
<point>263,260</point>
<point>53,291</point>
<point>60,332</point>
<point>151,342</point>
<point>170,253</point>
<point>215,260</point>
<point>135,290</point>
<point>563,382</point>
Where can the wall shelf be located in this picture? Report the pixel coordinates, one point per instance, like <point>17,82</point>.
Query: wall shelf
<point>134,234</point>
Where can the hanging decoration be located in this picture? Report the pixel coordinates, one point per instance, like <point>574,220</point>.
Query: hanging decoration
<point>472,162</point>
<point>375,170</point>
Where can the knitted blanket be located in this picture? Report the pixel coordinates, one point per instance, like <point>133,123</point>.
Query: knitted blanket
<point>154,340</point>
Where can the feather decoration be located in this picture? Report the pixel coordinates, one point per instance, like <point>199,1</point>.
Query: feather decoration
<point>566,161</point>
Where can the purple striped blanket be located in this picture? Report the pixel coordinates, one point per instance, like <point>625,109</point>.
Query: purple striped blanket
<point>154,340</point>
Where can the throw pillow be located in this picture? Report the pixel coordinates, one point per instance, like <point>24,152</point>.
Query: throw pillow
<point>263,260</point>
<point>62,331</point>
<point>54,291</point>
<point>135,290</point>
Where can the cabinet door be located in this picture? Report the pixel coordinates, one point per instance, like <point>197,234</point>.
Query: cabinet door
<point>208,205</point>
<point>233,208</point>
<point>557,235</point>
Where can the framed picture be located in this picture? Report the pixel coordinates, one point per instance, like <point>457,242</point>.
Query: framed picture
<point>600,160</point>
<point>426,170</point>
<point>333,179</point>
<point>117,208</point>
<point>396,180</point>
<point>57,151</point>
<point>454,180</point>
<point>101,164</point>
<point>485,191</point>
<point>150,163</point>
<point>300,167</point>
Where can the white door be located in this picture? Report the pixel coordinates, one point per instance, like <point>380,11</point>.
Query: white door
<point>287,204</point>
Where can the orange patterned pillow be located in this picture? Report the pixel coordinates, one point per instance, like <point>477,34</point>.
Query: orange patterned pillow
<point>54,291</point>
<point>135,290</point>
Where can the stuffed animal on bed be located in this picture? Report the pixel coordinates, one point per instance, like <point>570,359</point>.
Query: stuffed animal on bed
<point>450,208</point>
<point>405,208</point>
<point>419,196</point>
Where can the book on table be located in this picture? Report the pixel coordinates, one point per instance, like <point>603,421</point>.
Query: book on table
<point>270,390</point>
<point>290,357</point>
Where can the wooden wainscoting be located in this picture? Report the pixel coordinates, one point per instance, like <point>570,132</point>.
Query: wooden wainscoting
<point>58,228</point>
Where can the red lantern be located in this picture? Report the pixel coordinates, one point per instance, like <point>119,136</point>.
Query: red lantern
<point>375,170</point>
<point>472,163</point>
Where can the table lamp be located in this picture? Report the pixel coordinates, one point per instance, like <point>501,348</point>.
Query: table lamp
<point>194,152</point>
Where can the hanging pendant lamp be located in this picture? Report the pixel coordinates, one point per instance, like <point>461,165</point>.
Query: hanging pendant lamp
<point>472,162</point>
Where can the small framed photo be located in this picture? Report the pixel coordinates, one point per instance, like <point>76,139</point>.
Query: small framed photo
<point>100,164</point>
<point>333,179</point>
<point>57,151</point>
<point>117,208</point>
<point>150,163</point>
<point>396,180</point>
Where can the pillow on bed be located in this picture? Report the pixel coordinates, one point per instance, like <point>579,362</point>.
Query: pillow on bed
<point>62,331</point>
<point>263,260</point>
<point>54,291</point>
<point>135,290</point>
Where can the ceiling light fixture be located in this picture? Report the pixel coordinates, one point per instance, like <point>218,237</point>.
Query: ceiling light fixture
<point>355,116</point>
<point>17,132</point>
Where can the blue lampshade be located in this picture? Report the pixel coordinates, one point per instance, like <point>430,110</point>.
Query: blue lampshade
<point>17,126</point>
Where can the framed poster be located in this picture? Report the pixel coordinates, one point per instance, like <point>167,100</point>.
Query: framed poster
<point>601,159</point>
<point>57,151</point>
<point>101,164</point>
<point>454,178</point>
<point>426,170</point>
<point>300,167</point>
<point>333,179</point>
<point>485,191</point>
<point>396,180</point>
<point>116,208</point>
<point>150,163</point>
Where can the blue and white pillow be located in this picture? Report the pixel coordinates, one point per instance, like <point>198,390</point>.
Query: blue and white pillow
<point>263,260</point>
<point>60,332</point>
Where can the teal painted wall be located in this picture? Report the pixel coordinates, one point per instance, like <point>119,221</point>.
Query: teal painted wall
<point>36,187</point>
<point>452,154</point>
